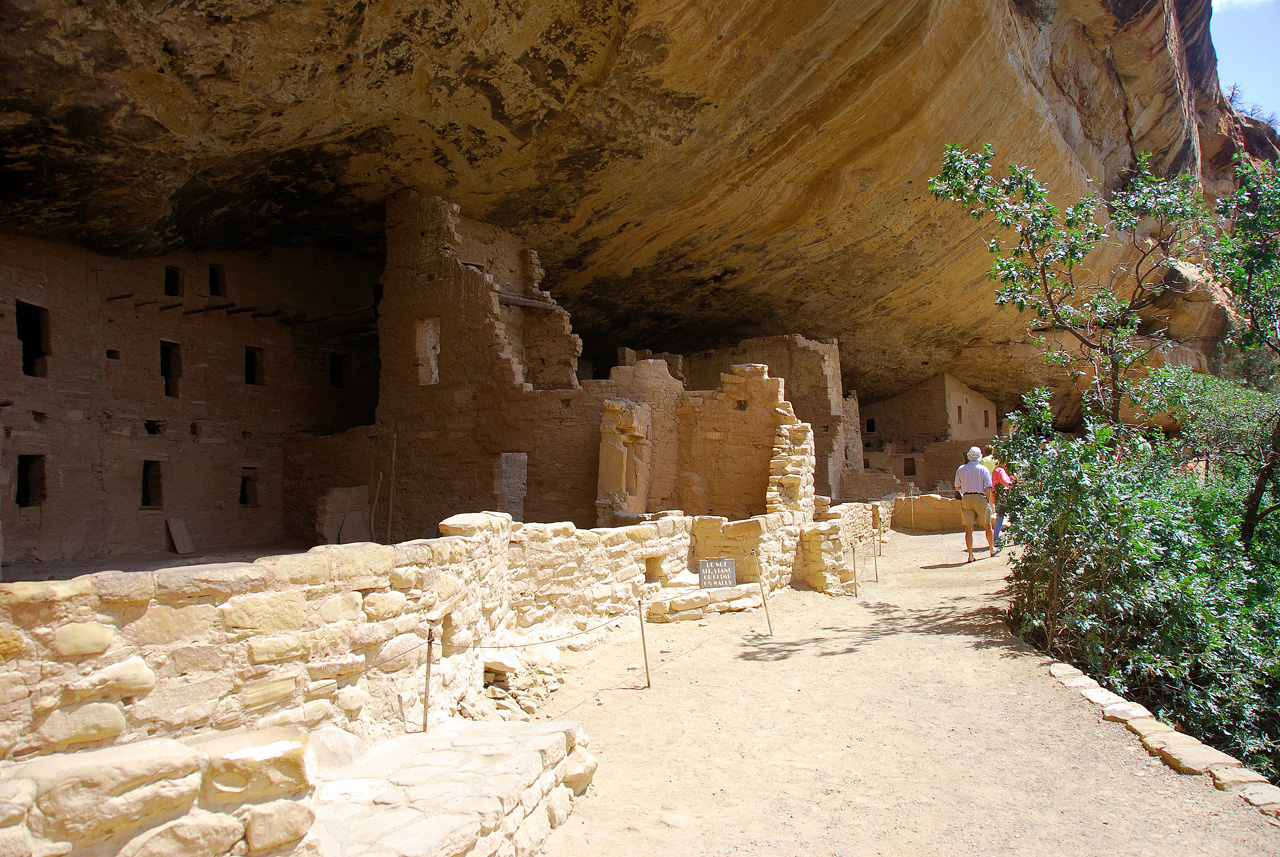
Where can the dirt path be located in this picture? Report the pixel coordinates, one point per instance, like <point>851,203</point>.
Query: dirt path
<point>907,721</point>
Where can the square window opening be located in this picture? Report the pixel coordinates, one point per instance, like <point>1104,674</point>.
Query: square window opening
<point>337,370</point>
<point>249,486</point>
<point>153,426</point>
<point>152,487</point>
<point>253,366</point>
<point>866,464</point>
<point>171,367</point>
<point>871,426</point>
<point>29,486</point>
<point>908,467</point>
<point>33,333</point>
<point>112,354</point>
<point>173,285</point>
<point>217,281</point>
<point>986,419</point>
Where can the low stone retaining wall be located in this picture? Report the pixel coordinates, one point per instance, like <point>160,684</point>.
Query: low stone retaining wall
<point>220,794</point>
<point>927,513</point>
<point>465,788</point>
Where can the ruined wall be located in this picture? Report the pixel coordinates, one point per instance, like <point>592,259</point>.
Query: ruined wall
<point>972,416</point>
<point>915,418</point>
<point>811,372</point>
<point>93,403</point>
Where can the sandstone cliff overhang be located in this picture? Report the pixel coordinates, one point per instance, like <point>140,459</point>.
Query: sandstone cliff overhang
<point>691,174</point>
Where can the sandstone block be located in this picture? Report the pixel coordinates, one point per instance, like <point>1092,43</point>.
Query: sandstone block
<point>1144,726</point>
<point>366,559</point>
<point>219,580</point>
<point>264,692</point>
<point>1231,778</point>
<point>91,794</point>
<point>580,770</point>
<point>1158,741</point>
<point>1261,795</point>
<point>351,698</point>
<point>379,606</point>
<point>15,842</point>
<point>1061,670</point>
<point>683,616</point>
<point>471,524</point>
<point>322,688</point>
<point>16,797</point>
<point>96,721</point>
<point>27,593</point>
<point>404,576</point>
<point>1195,758</point>
<point>1083,682</point>
<point>1123,712</point>
<point>127,587</point>
<point>265,650</point>
<point>12,644</point>
<point>344,606</point>
<point>437,836</point>
<point>692,601</point>
<point>559,805</point>
<point>400,652</point>
<point>268,613</point>
<point>531,834</point>
<point>305,569</point>
<point>198,834</point>
<point>82,638</point>
<point>251,766</point>
<point>1101,696</point>
<point>162,624</point>
<point>271,825</point>
<point>130,677</point>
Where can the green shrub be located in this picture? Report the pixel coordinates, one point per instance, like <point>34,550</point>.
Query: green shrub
<point>1134,571</point>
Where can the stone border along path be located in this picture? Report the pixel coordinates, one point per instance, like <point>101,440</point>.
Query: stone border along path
<point>1179,751</point>
<point>908,721</point>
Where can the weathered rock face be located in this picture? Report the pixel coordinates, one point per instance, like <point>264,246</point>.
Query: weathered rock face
<point>692,173</point>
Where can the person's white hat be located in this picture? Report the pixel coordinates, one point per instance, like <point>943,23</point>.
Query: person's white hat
<point>974,453</point>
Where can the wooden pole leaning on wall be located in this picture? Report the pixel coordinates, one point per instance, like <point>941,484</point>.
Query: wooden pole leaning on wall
<point>644,644</point>
<point>373,508</point>
<point>855,571</point>
<point>763,597</point>
<point>875,560</point>
<point>391,486</point>
<point>426,684</point>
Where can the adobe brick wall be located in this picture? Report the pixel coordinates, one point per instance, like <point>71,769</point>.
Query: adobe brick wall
<point>87,415</point>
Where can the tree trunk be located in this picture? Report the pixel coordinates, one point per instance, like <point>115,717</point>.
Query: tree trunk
<point>1266,474</point>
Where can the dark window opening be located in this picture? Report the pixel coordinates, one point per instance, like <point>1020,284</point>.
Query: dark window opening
<point>152,496</point>
<point>866,464</point>
<point>171,367</point>
<point>112,354</point>
<point>30,482</point>
<point>217,282</point>
<point>173,282</point>
<point>153,426</point>
<point>248,486</point>
<point>959,414</point>
<point>337,370</point>
<point>741,405</point>
<point>33,332</point>
<point>986,419</point>
<point>871,426</point>
<point>195,430</point>
<point>253,366</point>
<point>908,467</point>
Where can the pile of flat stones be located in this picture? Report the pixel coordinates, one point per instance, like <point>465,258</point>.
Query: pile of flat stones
<point>463,788</point>
<point>1176,749</point>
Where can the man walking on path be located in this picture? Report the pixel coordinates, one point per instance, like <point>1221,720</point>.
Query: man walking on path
<point>973,481</point>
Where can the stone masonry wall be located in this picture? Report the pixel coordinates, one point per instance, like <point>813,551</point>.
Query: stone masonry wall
<point>96,407</point>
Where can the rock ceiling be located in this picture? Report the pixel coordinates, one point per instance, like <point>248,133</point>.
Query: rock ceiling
<point>691,171</point>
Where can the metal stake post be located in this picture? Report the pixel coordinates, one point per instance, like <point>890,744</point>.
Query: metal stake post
<point>644,645</point>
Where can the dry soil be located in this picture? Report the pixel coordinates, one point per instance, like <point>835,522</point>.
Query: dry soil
<point>905,721</point>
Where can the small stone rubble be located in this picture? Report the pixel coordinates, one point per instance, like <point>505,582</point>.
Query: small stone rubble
<point>464,788</point>
<point>1179,751</point>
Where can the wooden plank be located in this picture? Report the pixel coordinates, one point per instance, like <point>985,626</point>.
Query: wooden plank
<point>181,538</point>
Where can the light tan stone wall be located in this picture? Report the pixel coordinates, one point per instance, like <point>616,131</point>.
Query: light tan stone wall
<point>927,513</point>
<point>827,560</point>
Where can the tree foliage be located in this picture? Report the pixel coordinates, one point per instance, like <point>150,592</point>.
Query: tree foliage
<point>1041,263</point>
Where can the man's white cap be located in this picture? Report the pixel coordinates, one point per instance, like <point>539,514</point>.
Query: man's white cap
<point>974,453</point>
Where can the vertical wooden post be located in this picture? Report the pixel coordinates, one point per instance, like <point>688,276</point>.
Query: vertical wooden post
<point>644,645</point>
<point>391,487</point>
<point>373,509</point>
<point>855,571</point>
<point>763,596</point>
<point>426,685</point>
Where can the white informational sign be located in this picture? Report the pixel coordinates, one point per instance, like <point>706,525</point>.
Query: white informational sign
<point>717,573</point>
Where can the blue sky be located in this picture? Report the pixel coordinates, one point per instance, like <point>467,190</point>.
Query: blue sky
<point>1246,35</point>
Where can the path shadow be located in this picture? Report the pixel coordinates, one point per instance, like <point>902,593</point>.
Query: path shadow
<point>983,624</point>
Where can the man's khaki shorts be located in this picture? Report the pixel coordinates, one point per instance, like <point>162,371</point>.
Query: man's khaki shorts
<point>974,510</point>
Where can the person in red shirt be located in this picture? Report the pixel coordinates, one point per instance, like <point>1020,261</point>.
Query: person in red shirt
<point>1000,480</point>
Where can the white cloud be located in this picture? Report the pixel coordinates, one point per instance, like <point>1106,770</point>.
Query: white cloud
<point>1228,4</point>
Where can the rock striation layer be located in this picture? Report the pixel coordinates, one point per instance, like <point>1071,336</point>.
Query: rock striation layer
<point>692,173</point>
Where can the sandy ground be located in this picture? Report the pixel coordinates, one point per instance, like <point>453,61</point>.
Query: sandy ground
<point>906,721</point>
